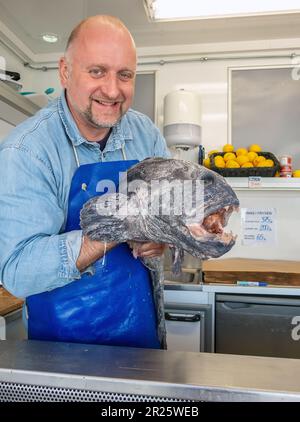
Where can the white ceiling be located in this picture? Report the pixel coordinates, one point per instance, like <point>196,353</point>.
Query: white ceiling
<point>28,19</point>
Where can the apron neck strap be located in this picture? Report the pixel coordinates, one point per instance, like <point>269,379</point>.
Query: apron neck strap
<point>123,153</point>
<point>76,156</point>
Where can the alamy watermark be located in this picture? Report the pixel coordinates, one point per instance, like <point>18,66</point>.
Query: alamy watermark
<point>296,67</point>
<point>153,198</point>
<point>295,333</point>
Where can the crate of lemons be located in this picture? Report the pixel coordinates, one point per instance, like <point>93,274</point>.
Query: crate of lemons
<point>242,162</point>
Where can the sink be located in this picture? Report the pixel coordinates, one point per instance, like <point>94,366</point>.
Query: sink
<point>188,276</point>
<point>191,270</point>
<point>189,261</point>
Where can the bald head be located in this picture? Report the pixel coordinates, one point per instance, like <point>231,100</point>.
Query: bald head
<point>97,23</point>
<point>98,74</point>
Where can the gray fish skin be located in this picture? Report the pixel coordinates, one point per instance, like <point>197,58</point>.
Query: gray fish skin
<point>203,239</point>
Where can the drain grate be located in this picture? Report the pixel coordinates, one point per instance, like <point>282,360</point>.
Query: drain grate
<point>15,392</point>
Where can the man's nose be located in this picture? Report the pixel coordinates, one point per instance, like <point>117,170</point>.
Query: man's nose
<point>110,86</point>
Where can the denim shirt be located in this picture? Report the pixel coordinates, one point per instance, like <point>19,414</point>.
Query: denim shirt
<point>37,163</point>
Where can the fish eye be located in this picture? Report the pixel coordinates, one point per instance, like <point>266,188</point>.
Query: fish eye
<point>209,179</point>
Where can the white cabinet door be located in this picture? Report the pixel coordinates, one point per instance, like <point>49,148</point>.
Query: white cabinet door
<point>183,330</point>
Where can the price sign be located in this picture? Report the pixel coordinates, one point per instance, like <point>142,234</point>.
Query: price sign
<point>254,182</point>
<point>258,226</point>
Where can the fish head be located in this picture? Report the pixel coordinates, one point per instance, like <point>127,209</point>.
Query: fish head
<point>209,214</point>
<point>192,205</point>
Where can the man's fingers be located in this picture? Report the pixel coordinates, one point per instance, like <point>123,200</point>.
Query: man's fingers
<point>145,247</point>
<point>150,254</point>
<point>151,250</point>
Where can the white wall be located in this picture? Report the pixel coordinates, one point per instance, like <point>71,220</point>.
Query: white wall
<point>48,79</point>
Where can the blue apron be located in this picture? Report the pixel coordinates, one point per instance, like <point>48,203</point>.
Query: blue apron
<point>114,306</point>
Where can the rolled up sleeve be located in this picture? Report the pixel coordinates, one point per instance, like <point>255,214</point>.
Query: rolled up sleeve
<point>34,255</point>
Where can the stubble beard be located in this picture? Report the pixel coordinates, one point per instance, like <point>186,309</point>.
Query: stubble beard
<point>97,123</point>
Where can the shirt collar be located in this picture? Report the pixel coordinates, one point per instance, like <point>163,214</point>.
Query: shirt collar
<point>121,132</point>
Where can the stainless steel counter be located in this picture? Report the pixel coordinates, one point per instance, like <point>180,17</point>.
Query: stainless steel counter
<point>46,371</point>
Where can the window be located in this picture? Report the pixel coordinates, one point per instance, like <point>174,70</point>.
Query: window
<point>264,109</point>
<point>144,98</point>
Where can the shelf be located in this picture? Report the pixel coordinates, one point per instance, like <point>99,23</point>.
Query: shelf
<point>266,183</point>
<point>17,101</point>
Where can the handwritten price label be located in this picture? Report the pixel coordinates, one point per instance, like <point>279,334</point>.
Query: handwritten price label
<point>254,182</point>
<point>258,226</point>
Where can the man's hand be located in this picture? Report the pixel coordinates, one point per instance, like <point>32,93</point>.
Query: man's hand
<point>148,249</point>
<point>91,251</point>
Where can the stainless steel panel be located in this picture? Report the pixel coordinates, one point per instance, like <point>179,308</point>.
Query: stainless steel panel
<point>150,373</point>
<point>259,299</point>
<point>257,325</point>
<point>15,329</point>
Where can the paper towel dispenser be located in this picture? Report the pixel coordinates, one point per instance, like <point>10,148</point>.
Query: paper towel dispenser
<point>182,119</point>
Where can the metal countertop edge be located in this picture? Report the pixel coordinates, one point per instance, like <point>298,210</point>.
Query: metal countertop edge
<point>145,388</point>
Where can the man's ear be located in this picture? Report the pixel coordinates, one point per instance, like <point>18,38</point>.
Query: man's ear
<point>63,71</point>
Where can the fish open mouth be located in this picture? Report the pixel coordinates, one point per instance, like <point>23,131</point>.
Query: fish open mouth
<point>213,226</point>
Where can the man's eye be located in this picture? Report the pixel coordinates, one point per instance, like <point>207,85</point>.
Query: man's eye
<point>125,76</point>
<point>96,72</point>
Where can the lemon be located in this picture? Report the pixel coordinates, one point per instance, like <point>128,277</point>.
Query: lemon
<point>228,148</point>
<point>232,164</point>
<point>258,160</point>
<point>296,173</point>
<point>214,151</point>
<point>206,162</point>
<point>248,164</point>
<point>269,163</point>
<point>219,161</point>
<point>255,148</point>
<point>229,156</point>
<point>265,163</point>
<point>241,151</point>
<point>252,155</point>
<point>218,158</point>
<point>242,159</point>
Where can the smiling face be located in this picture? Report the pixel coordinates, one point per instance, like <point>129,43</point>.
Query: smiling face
<point>98,73</point>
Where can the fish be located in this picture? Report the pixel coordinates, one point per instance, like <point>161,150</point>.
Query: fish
<point>165,200</point>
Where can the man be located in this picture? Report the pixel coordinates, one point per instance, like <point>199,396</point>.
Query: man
<point>40,256</point>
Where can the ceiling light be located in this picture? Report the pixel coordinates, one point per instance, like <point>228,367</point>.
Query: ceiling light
<point>195,9</point>
<point>50,37</point>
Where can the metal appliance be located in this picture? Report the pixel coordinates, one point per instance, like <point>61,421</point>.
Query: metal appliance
<point>258,325</point>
